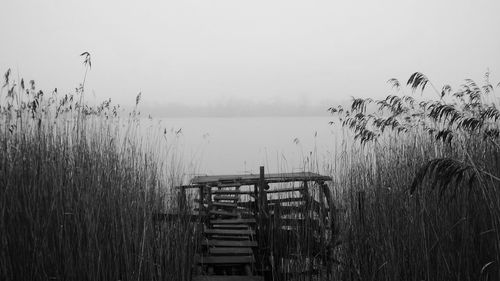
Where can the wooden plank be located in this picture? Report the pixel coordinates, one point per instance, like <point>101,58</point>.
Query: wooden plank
<point>227,278</point>
<point>230,251</point>
<point>247,204</point>
<point>224,205</point>
<point>230,237</point>
<point>228,243</point>
<point>226,259</point>
<point>286,200</point>
<point>230,231</point>
<point>249,179</point>
<point>224,191</point>
<point>231,226</point>
<point>233,221</point>
<point>227,185</point>
<point>217,213</point>
<point>226,197</point>
<point>293,189</point>
<point>223,213</point>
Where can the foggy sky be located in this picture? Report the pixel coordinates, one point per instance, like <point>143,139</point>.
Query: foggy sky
<point>209,52</point>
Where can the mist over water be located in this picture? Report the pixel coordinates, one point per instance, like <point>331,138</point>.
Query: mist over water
<point>241,145</point>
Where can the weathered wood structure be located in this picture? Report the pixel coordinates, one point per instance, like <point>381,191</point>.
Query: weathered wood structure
<point>239,216</point>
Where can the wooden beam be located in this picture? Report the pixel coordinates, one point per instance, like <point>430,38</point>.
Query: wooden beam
<point>230,251</point>
<point>226,197</point>
<point>245,232</point>
<point>233,221</point>
<point>226,259</point>
<point>249,179</point>
<point>225,191</point>
<point>230,226</point>
<point>224,205</point>
<point>228,243</point>
<point>286,200</point>
<point>292,189</point>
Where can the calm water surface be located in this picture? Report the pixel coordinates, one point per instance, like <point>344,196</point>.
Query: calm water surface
<point>242,144</point>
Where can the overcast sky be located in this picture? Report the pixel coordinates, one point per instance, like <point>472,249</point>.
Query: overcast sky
<point>210,52</point>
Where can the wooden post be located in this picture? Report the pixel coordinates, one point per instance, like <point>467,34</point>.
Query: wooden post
<point>201,215</point>
<point>305,194</point>
<point>263,222</point>
<point>323,222</point>
<point>182,203</point>
<point>209,199</point>
<point>256,199</point>
<point>332,213</point>
<point>201,207</point>
<point>262,192</point>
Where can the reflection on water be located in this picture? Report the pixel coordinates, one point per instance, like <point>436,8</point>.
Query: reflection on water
<point>241,145</point>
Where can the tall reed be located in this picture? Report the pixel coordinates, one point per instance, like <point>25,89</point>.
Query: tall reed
<point>78,189</point>
<point>421,186</point>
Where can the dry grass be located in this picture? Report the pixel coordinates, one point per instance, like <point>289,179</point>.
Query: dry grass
<point>416,197</point>
<point>421,187</point>
<point>78,187</point>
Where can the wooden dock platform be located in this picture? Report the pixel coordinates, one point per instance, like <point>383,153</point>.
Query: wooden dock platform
<point>235,216</point>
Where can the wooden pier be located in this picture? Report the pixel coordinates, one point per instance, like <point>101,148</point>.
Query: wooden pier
<point>238,215</point>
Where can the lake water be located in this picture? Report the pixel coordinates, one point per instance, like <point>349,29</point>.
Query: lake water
<point>242,144</point>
